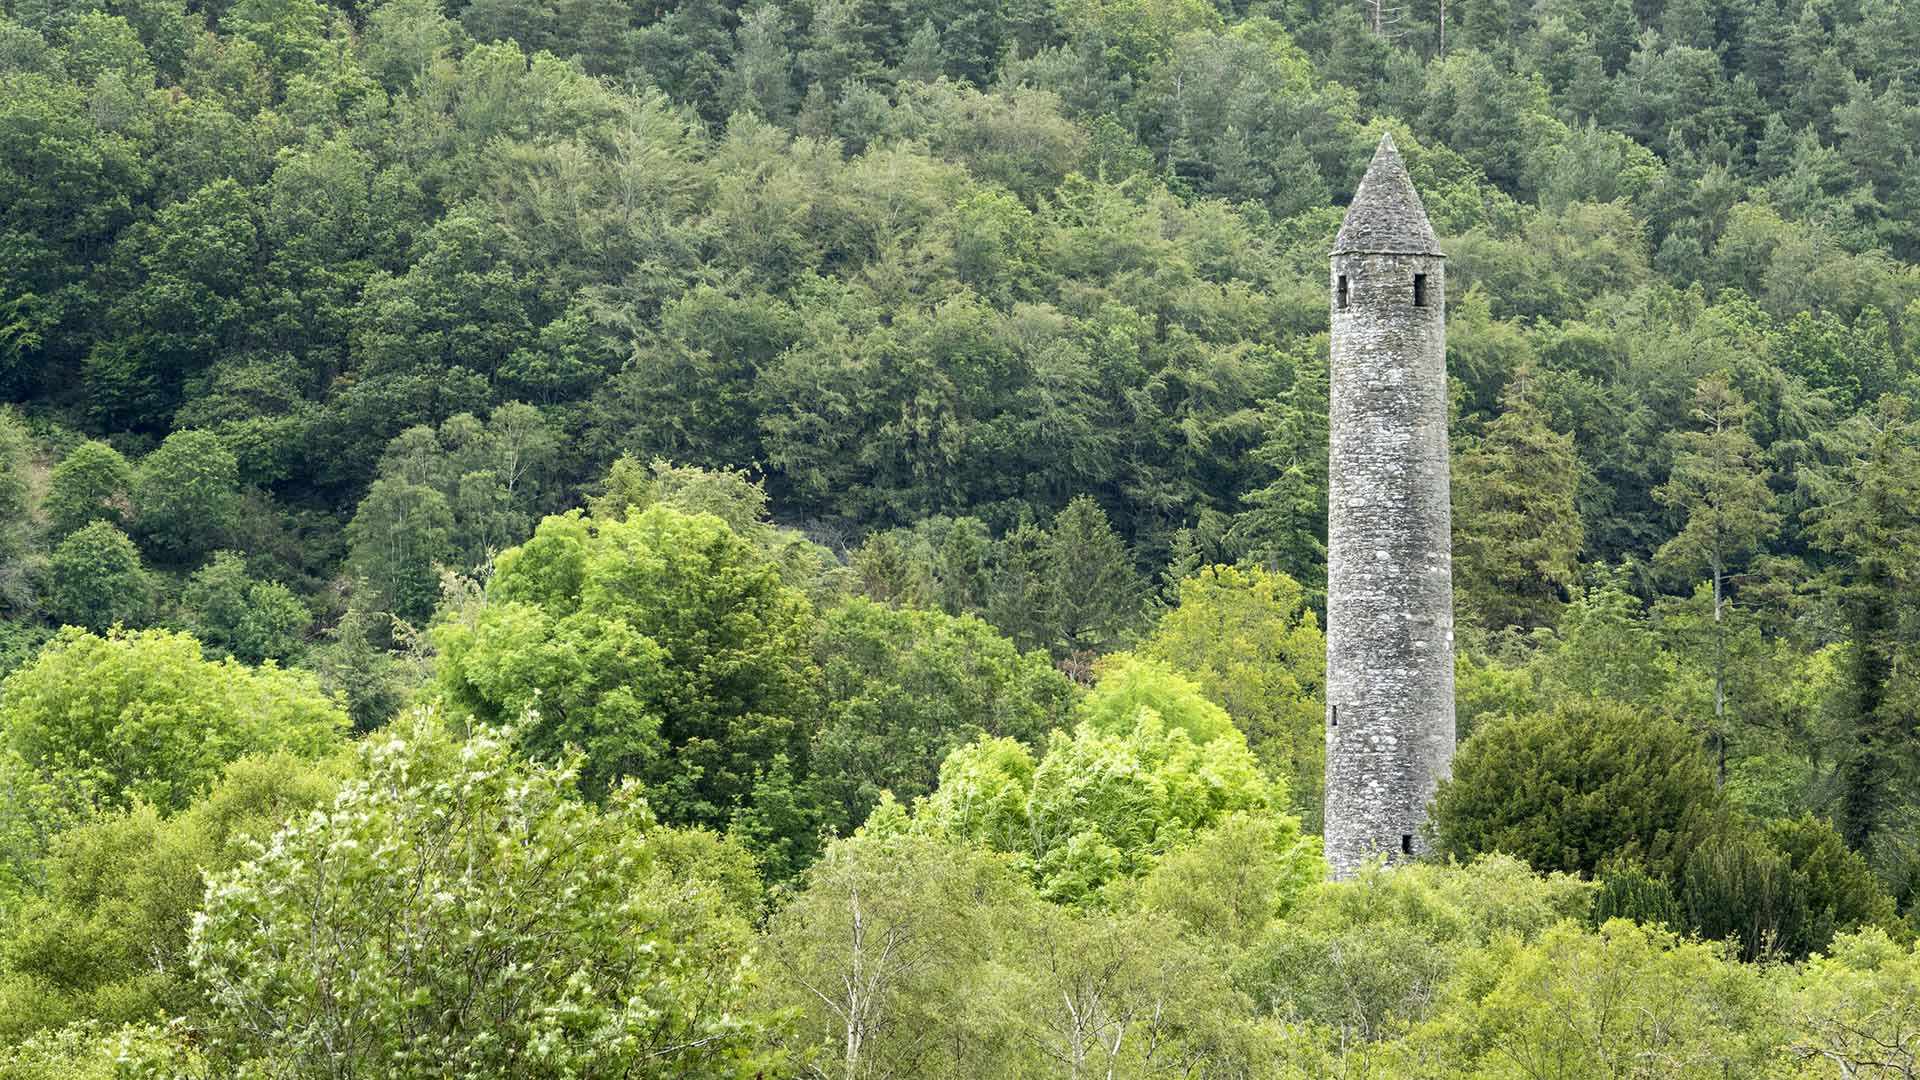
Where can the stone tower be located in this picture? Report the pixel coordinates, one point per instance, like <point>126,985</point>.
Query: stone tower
<point>1389,545</point>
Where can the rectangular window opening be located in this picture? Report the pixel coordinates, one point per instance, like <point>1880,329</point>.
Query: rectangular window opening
<point>1336,716</point>
<point>1406,843</point>
<point>1343,292</point>
<point>1419,290</point>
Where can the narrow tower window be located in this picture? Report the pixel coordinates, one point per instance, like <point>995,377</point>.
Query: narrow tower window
<point>1336,716</point>
<point>1343,292</point>
<point>1406,843</point>
<point>1419,290</point>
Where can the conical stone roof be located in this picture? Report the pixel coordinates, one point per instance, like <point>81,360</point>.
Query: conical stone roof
<point>1387,215</point>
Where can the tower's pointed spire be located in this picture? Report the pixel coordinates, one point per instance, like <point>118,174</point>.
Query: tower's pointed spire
<point>1386,215</point>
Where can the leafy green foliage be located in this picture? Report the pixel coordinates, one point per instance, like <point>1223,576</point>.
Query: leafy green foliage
<point>16,448</point>
<point>662,645</point>
<point>1358,960</point>
<point>187,495</point>
<point>1249,638</point>
<point>95,579</point>
<point>400,537</point>
<point>1854,1006</point>
<point>106,940</point>
<point>1019,310</point>
<point>1130,783</point>
<point>899,935</point>
<point>1872,525</point>
<point>904,688</point>
<point>1782,893</point>
<point>1600,1003</point>
<point>234,615</point>
<point>141,716</point>
<point>91,483</point>
<point>491,921</point>
<point>734,498</point>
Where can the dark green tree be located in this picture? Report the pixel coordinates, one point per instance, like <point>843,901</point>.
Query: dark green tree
<point>663,645</point>
<point>904,688</point>
<point>1869,519</point>
<point>91,483</point>
<point>234,614</point>
<point>1719,483</point>
<point>1583,785</point>
<point>95,579</point>
<point>1517,534</point>
<point>399,538</point>
<point>186,496</point>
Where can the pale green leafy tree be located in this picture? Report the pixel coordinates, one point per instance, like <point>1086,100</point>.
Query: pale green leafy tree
<point>17,526</point>
<point>1358,961</point>
<point>730,495</point>
<point>143,716</point>
<point>1250,640</point>
<point>459,912</point>
<point>399,538</point>
<point>34,808</point>
<point>1230,883</point>
<point>1856,1012</point>
<point>105,937</point>
<point>1628,1002</point>
<point>872,956</point>
<point>1150,765</point>
<point>903,688</point>
<point>1122,993</point>
<point>232,614</point>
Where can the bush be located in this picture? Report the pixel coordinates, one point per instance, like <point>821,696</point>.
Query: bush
<point>1585,782</point>
<point>1783,892</point>
<point>144,716</point>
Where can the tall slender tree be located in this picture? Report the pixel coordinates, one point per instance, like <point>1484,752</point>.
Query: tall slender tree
<point>1720,484</point>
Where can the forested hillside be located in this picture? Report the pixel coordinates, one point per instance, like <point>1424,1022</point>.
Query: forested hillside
<point>591,538</point>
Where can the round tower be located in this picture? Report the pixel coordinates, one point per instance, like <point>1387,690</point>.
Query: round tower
<point>1389,682</point>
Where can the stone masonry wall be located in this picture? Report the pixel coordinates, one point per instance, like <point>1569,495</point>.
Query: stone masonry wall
<point>1390,720</point>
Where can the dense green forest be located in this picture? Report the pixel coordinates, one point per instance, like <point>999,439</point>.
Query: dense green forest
<point>585,538</point>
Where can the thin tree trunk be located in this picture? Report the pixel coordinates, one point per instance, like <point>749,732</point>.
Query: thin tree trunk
<point>1719,680</point>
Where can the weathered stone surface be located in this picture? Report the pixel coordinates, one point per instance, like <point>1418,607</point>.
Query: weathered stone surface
<point>1390,721</point>
<point>1386,215</point>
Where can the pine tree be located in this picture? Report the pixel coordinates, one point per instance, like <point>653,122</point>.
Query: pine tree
<point>1870,519</point>
<point>1095,592</point>
<point>1720,485</point>
<point>762,76</point>
<point>1516,533</point>
<point>924,60</point>
<point>1285,524</point>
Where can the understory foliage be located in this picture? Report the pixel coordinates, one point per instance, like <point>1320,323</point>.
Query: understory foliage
<point>788,538</point>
